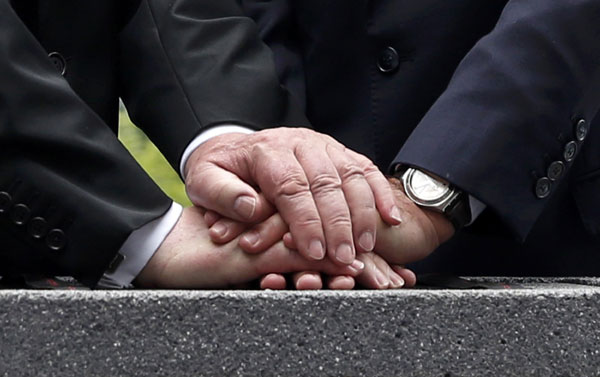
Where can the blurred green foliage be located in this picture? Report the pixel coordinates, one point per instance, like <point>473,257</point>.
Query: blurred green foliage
<point>147,155</point>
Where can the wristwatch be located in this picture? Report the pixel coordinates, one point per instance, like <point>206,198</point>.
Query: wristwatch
<point>435,194</point>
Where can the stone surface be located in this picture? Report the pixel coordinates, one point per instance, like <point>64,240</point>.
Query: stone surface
<point>545,328</point>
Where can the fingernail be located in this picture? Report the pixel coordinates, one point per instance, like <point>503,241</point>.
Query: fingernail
<point>382,280</point>
<point>251,237</point>
<point>344,253</point>
<point>367,241</point>
<point>244,206</point>
<point>357,265</point>
<point>395,214</point>
<point>219,229</point>
<point>397,281</point>
<point>316,250</point>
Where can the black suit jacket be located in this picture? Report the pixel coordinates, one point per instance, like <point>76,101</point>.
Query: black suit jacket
<point>70,194</point>
<point>486,94</point>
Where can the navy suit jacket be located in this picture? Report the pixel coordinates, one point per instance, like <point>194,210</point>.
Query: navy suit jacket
<point>486,94</point>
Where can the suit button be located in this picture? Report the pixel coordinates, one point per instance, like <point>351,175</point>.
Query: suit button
<point>388,61</point>
<point>37,228</point>
<point>5,201</point>
<point>556,170</point>
<point>581,129</point>
<point>56,239</point>
<point>59,62</point>
<point>542,188</point>
<point>20,214</point>
<point>570,151</point>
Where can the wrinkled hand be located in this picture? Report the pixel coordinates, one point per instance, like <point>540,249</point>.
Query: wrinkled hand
<point>330,197</point>
<point>421,232</point>
<point>188,259</point>
<point>377,274</point>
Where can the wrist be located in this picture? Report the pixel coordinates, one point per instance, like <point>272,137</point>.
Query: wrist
<point>443,227</point>
<point>147,278</point>
<point>150,275</point>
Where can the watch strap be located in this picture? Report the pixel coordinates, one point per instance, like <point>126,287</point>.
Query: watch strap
<point>459,212</point>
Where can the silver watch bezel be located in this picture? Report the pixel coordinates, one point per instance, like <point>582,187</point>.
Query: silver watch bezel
<point>440,203</point>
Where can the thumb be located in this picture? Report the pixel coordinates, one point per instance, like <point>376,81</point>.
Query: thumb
<point>215,188</point>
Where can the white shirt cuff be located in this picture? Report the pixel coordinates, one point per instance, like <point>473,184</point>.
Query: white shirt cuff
<point>207,135</point>
<point>139,247</point>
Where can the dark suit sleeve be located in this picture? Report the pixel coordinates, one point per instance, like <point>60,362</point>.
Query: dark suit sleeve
<point>70,194</point>
<point>188,65</point>
<point>512,105</point>
<point>276,22</point>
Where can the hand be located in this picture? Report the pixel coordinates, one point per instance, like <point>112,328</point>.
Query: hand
<point>188,259</point>
<point>378,274</point>
<point>421,232</point>
<point>327,194</point>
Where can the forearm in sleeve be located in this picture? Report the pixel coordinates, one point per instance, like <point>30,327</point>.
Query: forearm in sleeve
<point>71,192</point>
<point>512,107</point>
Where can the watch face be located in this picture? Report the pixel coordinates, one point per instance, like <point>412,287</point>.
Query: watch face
<point>425,188</point>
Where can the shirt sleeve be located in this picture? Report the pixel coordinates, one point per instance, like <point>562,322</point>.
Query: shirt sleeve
<point>139,247</point>
<point>143,242</point>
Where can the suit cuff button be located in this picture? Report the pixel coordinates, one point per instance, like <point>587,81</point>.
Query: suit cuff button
<point>543,187</point>
<point>20,214</point>
<point>556,170</point>
<point>56,239</point>
<point>581,130</point>
<point>570,151</point>
<point>5,202</point>
<point>37,228</point>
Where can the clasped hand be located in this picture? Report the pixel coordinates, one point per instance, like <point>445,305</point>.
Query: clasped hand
<point>330,196</point>
<point>420,233</point>
<point>301,187</point>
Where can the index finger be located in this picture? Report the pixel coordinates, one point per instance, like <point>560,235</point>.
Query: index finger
<point>384,196</point>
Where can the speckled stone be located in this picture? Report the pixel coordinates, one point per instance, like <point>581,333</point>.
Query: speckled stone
<point>543,329</point>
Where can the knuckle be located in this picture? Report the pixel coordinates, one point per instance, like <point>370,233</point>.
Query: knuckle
<point>259,138</point>
<point>191,182</point>
<point>325,183</point>
<point>307,222</point>
<point>292,185</point>
<point>373,174</point>
<point>270,137</point>
<point>303,132</point>
<point>339,220</point>
<point>370,168</point>
<point>351,172</point>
